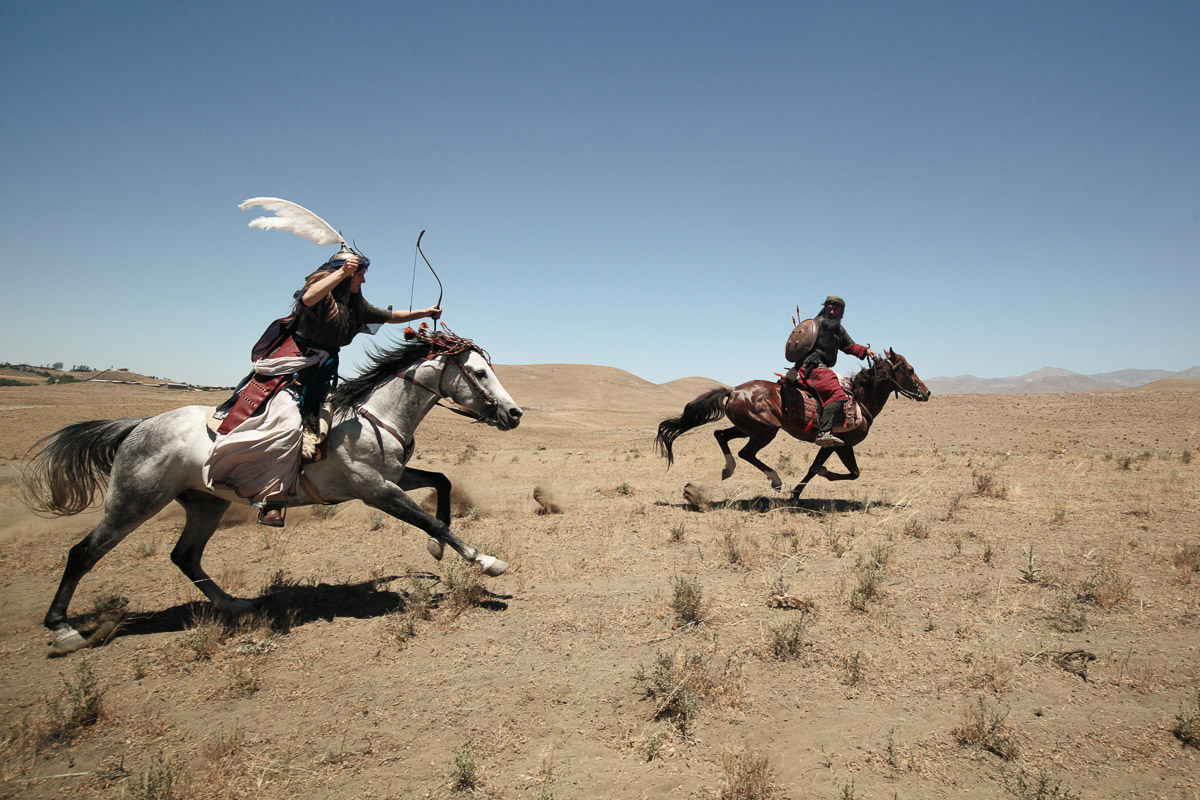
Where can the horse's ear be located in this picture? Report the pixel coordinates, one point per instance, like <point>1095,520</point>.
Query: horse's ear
<point>891,353</point>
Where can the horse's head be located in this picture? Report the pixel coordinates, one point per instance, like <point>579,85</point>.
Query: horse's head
<point>471,382</point>
<point>903,377</point>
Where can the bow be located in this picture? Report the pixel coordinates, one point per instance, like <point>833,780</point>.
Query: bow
<point>441,289</point>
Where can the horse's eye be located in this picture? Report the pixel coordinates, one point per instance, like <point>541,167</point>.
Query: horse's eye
<point>480,375</point>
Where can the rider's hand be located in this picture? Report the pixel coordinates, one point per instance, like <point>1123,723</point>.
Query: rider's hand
<point>871,353</point>
<point>435,313</point>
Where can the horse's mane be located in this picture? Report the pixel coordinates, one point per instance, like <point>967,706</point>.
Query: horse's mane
<point>867,377</point>
<point>382,364</point>
<point>386,362</point>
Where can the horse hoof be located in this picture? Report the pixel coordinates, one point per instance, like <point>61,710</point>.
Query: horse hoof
<point>491,566</point>
<point>240,608</point>
<point>66,640</point>
<point>435,547</point>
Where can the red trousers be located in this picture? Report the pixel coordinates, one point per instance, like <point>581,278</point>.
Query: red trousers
<point>825,383</point>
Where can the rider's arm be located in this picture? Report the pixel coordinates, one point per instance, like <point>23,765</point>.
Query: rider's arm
<point>433,312</point>
<point>321,289</point>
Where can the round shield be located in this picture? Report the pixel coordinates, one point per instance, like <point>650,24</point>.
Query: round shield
<point>802,340</point>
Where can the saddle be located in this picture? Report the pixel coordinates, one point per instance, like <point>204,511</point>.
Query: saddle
<point>798,402</point>
<point>313,439</point>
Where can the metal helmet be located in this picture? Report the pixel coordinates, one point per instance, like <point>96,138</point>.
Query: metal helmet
<point>337,259</point>
<point>834,300</point>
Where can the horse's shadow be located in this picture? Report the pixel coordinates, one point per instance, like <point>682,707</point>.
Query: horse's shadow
<point>285,605</point>
<point>696,499</point>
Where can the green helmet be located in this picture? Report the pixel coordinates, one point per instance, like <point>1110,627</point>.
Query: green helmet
<point>834,300</point>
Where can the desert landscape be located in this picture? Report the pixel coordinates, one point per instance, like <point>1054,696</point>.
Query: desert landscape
<point>1005,605</point>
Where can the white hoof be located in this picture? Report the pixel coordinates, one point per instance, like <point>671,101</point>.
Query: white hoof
<point>491,566</point>
<point>66,640</point>
<point>435,547</point>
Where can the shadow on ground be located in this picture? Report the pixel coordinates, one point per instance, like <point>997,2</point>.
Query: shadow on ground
<point>286,605</point>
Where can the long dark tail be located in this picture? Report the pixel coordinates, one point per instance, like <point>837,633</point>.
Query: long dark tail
<point>74,465</point>
<point>708,407</point>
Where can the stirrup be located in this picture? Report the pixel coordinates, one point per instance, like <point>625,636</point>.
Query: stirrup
<point>272,516</point>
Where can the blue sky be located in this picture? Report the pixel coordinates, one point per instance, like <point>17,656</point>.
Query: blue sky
<point>653,186</point>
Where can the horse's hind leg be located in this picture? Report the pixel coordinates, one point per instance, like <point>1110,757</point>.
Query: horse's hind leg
<point>121,516</point>
<point>723,437</point>
<point>204,513</point>
<point>749,453</point>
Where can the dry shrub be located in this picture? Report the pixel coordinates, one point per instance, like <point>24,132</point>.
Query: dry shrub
<point>463,588</point>
<point>681,682</point>
<point>786,641</point>
<point>1187,560</point>
<point>1040,787</point>
<point>993,672</point>
<point>748,776</point>
<point>1105,588</point>
<point>1187,725</point>
<point>987,484</point>
<point>78,705</point>
<point>687,601</point>
<point>987,727</point>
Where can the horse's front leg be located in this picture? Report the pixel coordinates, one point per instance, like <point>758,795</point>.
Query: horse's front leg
<point>817,467</point>
<point>391,499</point>
<point>845,453</point>
<point>425,479</point>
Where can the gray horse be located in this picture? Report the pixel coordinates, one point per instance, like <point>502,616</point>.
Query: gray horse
<point>147,463</point>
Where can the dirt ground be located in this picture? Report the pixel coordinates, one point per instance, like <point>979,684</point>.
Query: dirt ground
<point>1005,604</point>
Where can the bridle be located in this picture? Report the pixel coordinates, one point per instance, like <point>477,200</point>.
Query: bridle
<point>891,378</point>
<point>489,400</point>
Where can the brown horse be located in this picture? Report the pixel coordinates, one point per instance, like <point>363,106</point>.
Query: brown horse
<point>756,410</point>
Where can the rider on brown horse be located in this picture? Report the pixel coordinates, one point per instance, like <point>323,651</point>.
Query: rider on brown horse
<point>813,369</point>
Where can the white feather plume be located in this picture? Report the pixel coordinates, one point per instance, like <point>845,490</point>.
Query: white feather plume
<point>291,217</point>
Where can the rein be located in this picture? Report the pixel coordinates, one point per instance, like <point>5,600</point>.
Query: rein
<point>895,384</point>
<point>488,399</point>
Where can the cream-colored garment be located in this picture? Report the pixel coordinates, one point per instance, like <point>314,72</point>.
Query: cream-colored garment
<point>260,459</point>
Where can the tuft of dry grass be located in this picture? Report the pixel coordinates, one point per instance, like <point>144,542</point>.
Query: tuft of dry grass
<point>687,601</point>
<point>748,776</point>
<point>987,727</point>
<point>987,484</point>
<point>680,682</point>
<point>1106,587</point>
<point>1187,725</point>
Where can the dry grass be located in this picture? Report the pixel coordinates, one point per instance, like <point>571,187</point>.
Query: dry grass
<point>947,647</point>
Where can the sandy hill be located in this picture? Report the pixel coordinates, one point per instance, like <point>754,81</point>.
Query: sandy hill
<point>583,386</point>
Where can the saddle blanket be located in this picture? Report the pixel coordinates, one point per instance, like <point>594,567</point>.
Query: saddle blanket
<point>849,419</point>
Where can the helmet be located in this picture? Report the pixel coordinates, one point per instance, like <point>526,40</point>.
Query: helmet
<point>834,300</point>
<point>337,259</point>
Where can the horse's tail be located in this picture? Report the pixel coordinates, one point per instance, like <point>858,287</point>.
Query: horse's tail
<point>74,465</point>
<point>708,407</point>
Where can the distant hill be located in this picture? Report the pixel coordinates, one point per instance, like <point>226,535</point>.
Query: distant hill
<point>1053,380</point>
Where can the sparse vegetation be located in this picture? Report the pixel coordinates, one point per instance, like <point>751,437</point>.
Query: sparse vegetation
<point>687,601</point>
<point>985,726</point>
<point>748,776</point>
<point>679,682</point>
<point>466,771</point>
<point>1187,724</point>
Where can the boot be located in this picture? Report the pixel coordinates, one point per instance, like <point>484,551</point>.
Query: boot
<point>825,437</point>
<point>271,515</point>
